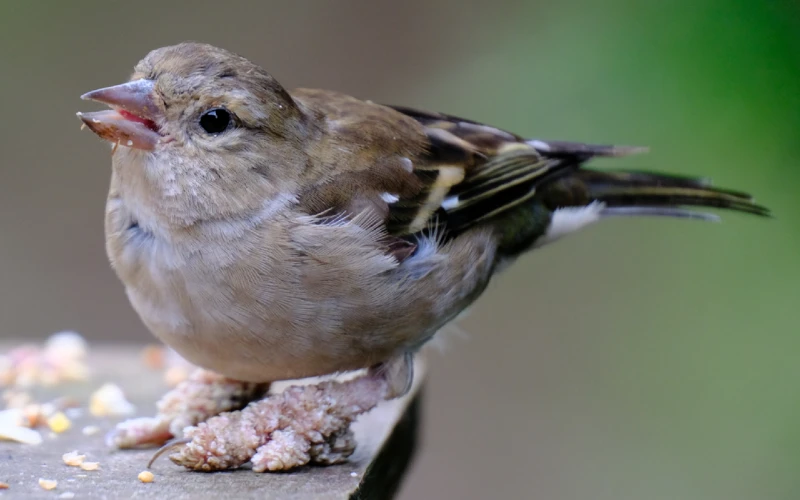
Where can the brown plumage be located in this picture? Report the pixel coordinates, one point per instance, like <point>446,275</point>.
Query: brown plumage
<point>268,235</point>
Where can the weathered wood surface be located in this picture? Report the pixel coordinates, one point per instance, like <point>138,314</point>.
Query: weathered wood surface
<point>386,440</point>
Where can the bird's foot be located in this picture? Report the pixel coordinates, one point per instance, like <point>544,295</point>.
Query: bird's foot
<point>301,425</point>
<point>203,395</point>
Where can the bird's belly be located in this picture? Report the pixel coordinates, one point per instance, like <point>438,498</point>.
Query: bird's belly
<point>238,337</point>
<point>237,310</point>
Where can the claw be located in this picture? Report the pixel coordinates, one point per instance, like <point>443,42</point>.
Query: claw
<point>169,446</point>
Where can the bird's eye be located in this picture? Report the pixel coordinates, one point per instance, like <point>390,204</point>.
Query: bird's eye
<point>215,121</point>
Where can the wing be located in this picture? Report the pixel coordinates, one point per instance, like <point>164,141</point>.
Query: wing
<point>478,172</point>
<point>424,171</point>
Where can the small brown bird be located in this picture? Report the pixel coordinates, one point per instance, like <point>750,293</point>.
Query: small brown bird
<point>268,235</point>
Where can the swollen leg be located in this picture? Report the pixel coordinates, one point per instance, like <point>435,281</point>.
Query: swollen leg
<point>203,395</point>
<point>302,424</point>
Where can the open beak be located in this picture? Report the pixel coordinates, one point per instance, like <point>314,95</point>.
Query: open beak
<point>132,119</point>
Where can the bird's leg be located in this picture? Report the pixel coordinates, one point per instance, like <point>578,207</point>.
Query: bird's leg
<point>303,424</point>
<point>338,447</point>
<point>203,395</point>
<point>398,373</point>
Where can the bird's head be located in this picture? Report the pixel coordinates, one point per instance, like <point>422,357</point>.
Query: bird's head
<point>204,124</point>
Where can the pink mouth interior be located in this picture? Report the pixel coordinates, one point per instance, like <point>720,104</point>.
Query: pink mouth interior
<point>131,117</point>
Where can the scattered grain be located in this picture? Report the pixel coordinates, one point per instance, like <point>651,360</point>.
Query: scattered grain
<point>58,422</point>
<point>48,484</point>
<point>153,356</point>
<point>90,430</point>
<point>19,434</point>
<point>90,466</point>
<point>146,476</point>
<point>109,401</point>
<point>73,459</point>
<point>175,375</point>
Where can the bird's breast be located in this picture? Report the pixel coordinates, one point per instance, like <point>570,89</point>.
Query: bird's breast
<point>232,303</point>
<point>206,313</point>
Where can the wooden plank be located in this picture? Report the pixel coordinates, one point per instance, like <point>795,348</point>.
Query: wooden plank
<point>386,439</point>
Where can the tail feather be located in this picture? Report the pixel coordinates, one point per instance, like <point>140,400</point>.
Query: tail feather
<point>680,213</point>
<point>645,193</point>
<point>583,150</point>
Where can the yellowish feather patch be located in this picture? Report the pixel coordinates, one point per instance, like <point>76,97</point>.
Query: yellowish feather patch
<point>509,147</point>
<point>449,176</point>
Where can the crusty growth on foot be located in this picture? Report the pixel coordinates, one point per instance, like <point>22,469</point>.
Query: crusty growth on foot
<point>202,396</point>
<point>302,424</point>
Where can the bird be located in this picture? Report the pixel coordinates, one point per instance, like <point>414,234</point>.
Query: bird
<point>267,234</point>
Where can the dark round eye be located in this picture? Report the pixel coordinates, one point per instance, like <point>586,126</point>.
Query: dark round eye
<point>215,120</point>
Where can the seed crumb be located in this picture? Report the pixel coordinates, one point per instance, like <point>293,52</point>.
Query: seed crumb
<point>73,459</point>
<point>110,401</point>
<point>153,356</point>
<point>146,476</point>
<point>58,422</point>
<point>11,431</point>
<point>175,375</point>
<point>4,486</point>
<point>48,484</point>
<point>90,465</point>
<point>90,430</point>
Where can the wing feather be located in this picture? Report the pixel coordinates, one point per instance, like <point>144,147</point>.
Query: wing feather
<point>426,171</point>
<point>500,170</point>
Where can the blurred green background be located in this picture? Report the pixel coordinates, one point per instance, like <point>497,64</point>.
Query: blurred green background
<point>639,359</point>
